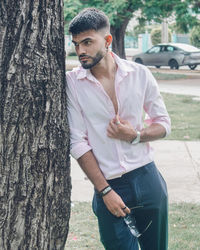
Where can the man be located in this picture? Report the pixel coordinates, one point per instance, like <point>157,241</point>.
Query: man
<point>106,98</point>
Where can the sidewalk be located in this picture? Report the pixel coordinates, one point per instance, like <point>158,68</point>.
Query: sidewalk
<point>178,161</point>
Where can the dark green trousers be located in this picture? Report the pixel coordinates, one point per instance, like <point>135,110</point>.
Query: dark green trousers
<point>144,190</point>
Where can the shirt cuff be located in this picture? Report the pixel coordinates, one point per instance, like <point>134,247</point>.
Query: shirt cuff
<point>166,126</point>
<point>166,123</point>
<point>79,150</point>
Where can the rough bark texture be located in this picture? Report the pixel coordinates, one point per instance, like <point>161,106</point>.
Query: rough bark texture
<point>118,34</point>
<point>35,180</point>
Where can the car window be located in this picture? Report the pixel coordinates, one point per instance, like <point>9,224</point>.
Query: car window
<point>162,48</point>
<point>155,49</point>
<point>170,49</point>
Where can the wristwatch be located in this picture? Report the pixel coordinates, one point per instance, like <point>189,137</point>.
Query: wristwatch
<point>137,139</point>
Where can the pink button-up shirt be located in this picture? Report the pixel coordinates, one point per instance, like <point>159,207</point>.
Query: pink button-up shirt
<point>90,110</point>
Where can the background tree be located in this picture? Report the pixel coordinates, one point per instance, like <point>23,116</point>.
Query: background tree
<point>195,36</point>
<point>156,35</point>
<point>34,154</point>
<point>184,12</point>
<point>185,16</point>
<point>121,11</point>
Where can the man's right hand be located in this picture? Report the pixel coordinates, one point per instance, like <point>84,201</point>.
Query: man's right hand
<point>115,204</point>
<point>112,200</point>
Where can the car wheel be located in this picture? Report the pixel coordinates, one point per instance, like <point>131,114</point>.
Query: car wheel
<point>138,60</point>
<point>173,64</point>
<point>157,66</point>
<point>192,66</point>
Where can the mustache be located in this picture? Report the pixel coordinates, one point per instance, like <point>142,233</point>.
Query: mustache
<point>83,56</point>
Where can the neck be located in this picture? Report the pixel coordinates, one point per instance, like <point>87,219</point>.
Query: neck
<point>105,68</point>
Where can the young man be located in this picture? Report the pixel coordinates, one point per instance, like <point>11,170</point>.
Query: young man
<point>106,99</point>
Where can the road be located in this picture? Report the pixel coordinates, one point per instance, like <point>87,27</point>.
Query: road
<point>182,87</point>
<point>189,86</point>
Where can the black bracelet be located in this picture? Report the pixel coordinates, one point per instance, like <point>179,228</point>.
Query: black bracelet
<point>105,191</point>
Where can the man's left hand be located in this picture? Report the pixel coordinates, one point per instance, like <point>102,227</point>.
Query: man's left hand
<point>121,129</point>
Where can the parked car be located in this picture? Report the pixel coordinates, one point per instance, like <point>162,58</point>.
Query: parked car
<point>170,54</point>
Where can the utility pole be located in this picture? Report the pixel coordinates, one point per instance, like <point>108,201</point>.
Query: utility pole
<point>164,31</point>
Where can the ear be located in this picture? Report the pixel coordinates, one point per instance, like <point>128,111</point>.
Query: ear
<point>108,39</point>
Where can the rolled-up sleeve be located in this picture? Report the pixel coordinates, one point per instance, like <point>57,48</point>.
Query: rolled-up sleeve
<point>154,105</point>
<point>78,132</point>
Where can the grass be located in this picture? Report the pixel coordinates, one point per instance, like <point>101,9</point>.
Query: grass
<point>185,116</point>
<point>83,229</point>
<point>75,58</point>
<point>184,227</point>
<point>165,76</point>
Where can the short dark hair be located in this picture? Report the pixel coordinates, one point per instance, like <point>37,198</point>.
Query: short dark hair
<point>88,19</point>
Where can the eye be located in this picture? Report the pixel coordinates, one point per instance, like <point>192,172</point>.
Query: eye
<point>88,43</point>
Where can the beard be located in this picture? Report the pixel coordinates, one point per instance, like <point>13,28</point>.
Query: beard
<point>96,59</point>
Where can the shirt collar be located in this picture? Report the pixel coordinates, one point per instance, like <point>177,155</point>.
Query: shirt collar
<point>123,64</point>
<point>124,67</point>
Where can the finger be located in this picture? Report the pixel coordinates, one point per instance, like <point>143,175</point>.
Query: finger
<point>110,131</point>
<point>114,119</point>
<point>110,135</point>
<point>126,210</point>
<point>117,118</point>
<point>116,214</point>
<point>116,124</point>
<point>119,213</point>
<point>124,122</point>
<point>113,126</point>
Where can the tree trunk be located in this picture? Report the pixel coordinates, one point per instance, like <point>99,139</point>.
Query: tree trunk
<point>118,34</point>
<point>35,183</point>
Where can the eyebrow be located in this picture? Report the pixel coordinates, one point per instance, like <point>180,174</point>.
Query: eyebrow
<point>84,40</point>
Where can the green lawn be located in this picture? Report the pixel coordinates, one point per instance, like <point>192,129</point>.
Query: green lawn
<point>167,76</point>
<point>185,116</point>
<point>74,58</point>
<point>184,227</point>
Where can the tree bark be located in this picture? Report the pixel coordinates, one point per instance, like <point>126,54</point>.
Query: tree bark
<point>35,183</point>
<point>118,34</point>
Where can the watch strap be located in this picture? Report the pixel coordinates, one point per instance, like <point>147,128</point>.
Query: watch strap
<point>105,191</point>
<point>137,139</point>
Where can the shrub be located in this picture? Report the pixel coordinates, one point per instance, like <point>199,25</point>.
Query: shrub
<point>72,53</point>
<point>156,36</point>
<point>195,36</point>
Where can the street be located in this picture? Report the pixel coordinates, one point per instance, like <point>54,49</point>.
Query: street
<point>181,87</point>
<point>189,86</point>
